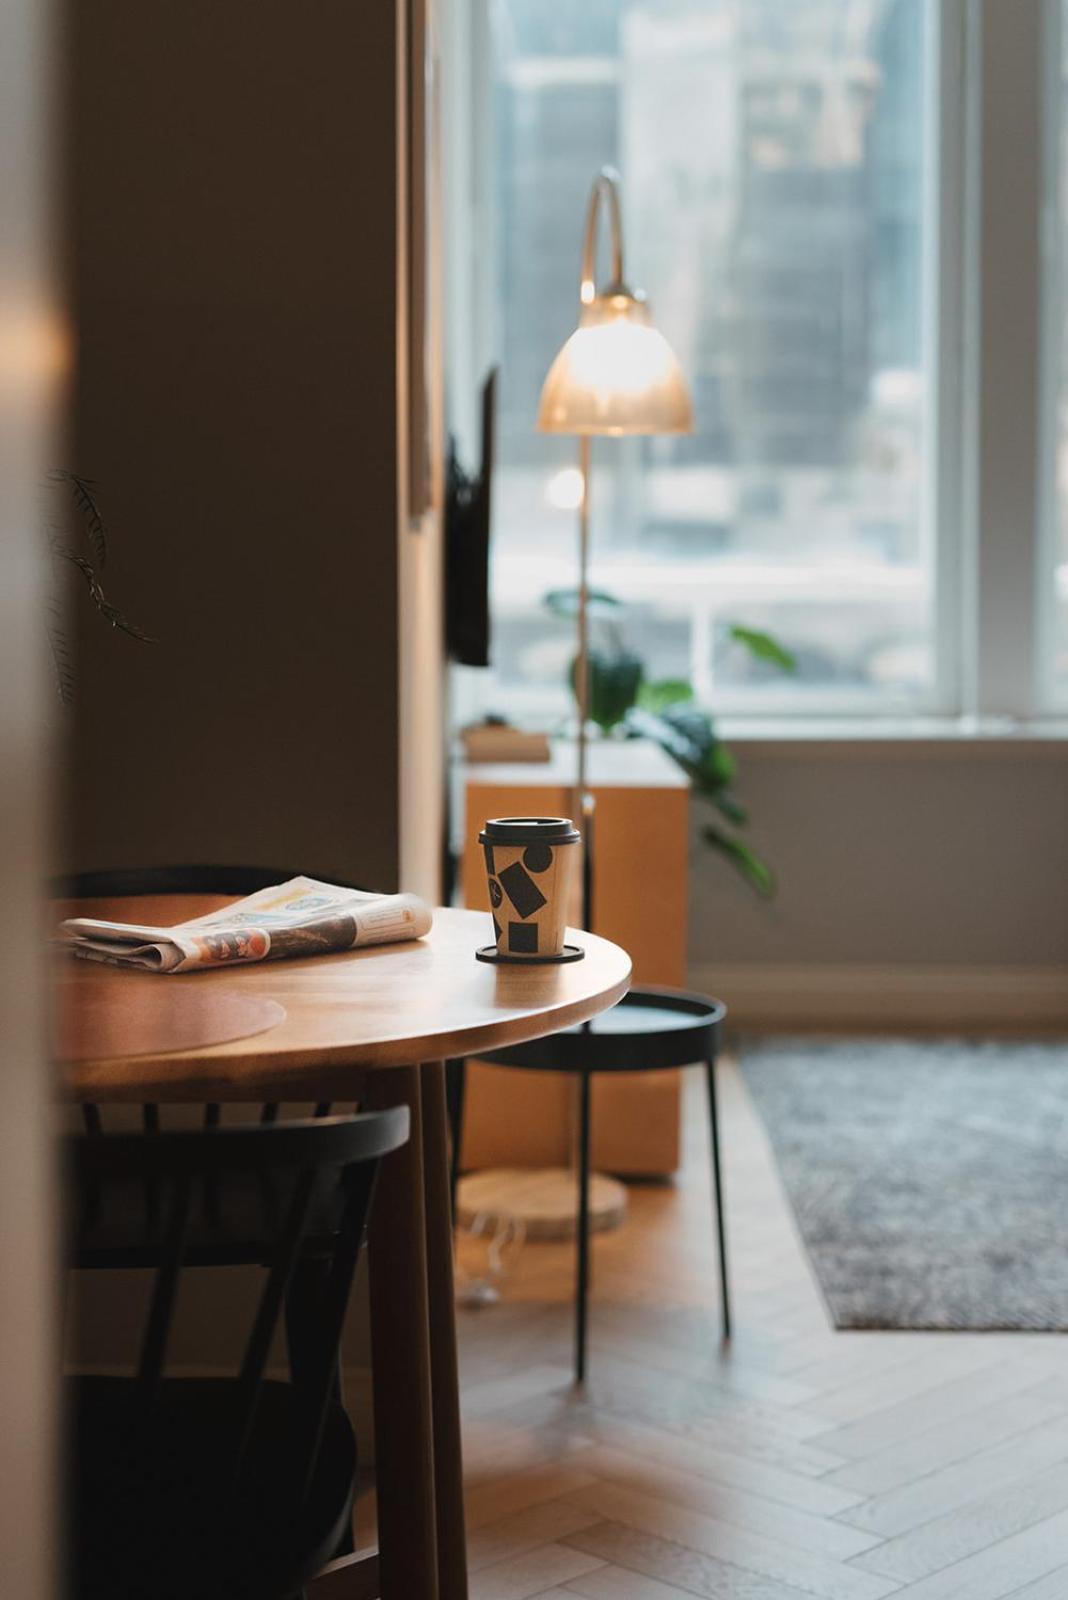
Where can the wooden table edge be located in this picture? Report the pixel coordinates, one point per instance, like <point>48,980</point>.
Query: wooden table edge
<point>243,1074</point>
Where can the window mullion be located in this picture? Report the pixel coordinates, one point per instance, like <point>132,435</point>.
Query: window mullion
<point>1049,681</point>
<point>1007,53</point>
<point>949,509</point>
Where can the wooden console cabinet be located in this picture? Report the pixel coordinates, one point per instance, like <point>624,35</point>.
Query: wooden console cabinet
<point>513,1118</point>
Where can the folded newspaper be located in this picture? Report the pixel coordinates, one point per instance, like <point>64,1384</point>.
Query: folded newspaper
<point>300,918</point>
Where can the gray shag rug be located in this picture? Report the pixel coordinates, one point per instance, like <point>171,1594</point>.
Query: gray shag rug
<point>929,1178</point>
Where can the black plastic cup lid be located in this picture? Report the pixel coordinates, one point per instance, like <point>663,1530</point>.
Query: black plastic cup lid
<point>529,830</point>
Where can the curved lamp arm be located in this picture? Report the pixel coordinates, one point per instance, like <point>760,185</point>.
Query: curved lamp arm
<point>605,192</point>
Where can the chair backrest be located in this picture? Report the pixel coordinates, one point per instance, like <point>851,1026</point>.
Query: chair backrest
<point>328,1163</point>
<point>175,880</point>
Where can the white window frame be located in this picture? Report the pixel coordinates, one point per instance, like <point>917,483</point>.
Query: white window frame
<point>993,298</point>
<point>1051,699</point>
<point>1003,370</point>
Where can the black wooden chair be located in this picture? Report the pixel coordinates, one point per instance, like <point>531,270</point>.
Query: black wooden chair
<point>235,1225</point>
<point>650,1030</point>
<point>238,1487</point>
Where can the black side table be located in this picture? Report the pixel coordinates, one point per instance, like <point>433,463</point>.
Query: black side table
<point>650,1030</point>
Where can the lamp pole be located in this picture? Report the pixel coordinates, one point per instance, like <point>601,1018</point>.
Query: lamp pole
<point>604,192</point>
<point>616,375</point>
<point>583,801</point>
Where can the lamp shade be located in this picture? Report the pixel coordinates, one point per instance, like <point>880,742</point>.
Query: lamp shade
<point>616,374</point>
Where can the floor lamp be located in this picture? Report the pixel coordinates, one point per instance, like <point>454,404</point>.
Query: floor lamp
<point>616,375</point>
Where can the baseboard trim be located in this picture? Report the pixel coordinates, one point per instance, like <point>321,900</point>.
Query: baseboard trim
<point>959,999</point>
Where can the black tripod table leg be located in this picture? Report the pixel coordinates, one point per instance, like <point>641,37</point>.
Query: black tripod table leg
<point>583,1286</point>
<point>717,1186</point>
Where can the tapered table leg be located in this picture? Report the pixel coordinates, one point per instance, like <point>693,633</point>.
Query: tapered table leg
<point>448,1463</point>
<point>401,1364</point>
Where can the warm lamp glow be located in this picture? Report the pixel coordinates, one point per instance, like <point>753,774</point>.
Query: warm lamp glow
<point>35,344</point>
<point>616,374</point>
<point>565,489</point>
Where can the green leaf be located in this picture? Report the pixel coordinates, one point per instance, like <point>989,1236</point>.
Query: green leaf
<point>712,768</point>
<point>763,647</point>
<point>690,724</point>
<point>564,603</point>
<point>615,681</point>
<point>729,807</point>
<point>665,692</point>
<point>756,872</point>
<point>718,766</point>
<point>688,736</point>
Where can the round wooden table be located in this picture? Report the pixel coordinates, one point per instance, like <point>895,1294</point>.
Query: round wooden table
<point>374,1025</point>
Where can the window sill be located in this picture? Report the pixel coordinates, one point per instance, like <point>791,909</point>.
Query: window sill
<point>896,735</point>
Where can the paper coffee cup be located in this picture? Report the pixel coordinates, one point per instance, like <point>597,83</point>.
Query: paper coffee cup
<point>530,864</point>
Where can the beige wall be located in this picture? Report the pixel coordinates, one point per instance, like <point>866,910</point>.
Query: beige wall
<point>232,207</point>
<point>920,861</point>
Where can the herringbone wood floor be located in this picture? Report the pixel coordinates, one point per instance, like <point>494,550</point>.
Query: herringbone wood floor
<point>798,1462</point>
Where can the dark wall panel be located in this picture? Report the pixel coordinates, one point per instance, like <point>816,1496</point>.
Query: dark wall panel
<point>231,211</point>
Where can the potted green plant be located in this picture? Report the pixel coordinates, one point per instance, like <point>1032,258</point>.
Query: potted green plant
<point>623,702</point>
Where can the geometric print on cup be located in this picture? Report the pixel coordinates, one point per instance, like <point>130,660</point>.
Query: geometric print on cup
<point>521,889</point>
<point>538,857</point>
<point>529,896</point>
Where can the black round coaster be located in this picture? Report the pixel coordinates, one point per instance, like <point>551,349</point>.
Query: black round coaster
<point>490,953</point>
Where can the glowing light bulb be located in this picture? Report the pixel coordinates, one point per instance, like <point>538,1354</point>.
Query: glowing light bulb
<point>616,374</point>
<point>565,489</point>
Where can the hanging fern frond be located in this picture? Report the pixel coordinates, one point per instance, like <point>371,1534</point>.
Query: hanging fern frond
<point>90,566</point>
<point>81,490</point>
<point>109,612</point>
<point>59,648</point>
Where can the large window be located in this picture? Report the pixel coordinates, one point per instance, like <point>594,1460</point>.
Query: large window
<point>837,210</point>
